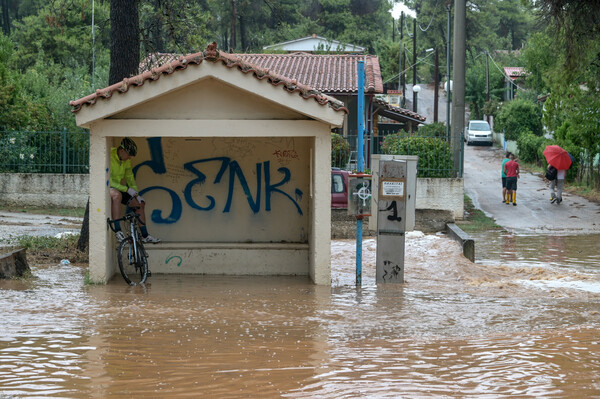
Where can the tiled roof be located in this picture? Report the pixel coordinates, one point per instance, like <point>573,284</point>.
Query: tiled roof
<point>514,72</point>
<point>410,115</point>
<point>328,73</point>
<point>211,54</point>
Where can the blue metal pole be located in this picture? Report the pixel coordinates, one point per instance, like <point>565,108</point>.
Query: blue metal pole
<point>359,163</point>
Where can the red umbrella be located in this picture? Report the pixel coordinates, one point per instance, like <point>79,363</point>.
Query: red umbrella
<point>557,157</point>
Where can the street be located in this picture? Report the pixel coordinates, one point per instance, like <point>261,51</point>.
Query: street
<point>534,214</point>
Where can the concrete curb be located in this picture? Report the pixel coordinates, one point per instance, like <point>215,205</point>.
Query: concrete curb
<point>467,243</point>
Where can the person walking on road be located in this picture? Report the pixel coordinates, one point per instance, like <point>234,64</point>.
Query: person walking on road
<point>557,184</point>
<point>511,169</point>
<point>504,161</point>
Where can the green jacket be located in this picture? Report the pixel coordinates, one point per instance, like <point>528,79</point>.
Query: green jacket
<point>121,174</point>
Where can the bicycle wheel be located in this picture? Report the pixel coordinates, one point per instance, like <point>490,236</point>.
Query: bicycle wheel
<point>133,269</point>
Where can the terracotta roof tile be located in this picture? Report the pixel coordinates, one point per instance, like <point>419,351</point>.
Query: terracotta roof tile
<point>211,54</point>
<point>329,73</point>
<point>397,110</point>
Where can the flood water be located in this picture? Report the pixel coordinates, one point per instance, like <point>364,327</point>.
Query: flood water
<point>506,326</point>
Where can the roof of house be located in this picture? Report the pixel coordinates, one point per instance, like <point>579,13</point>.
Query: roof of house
<point>315,43</point>
<point>514,72</point>
<point>211,54</point>
<point>396,113</point>
<point>333,74</point>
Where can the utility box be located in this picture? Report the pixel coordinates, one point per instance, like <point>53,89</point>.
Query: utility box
<point>411,186</point>
<point>359,195</point>
<point>391,221</point>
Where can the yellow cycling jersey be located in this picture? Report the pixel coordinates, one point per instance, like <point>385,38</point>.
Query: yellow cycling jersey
<point>121,174</point>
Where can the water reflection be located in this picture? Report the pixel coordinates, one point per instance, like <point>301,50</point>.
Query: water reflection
<point>454,327</point>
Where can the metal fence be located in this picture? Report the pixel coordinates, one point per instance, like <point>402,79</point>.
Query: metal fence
<point>434,152</point>
<point>68,152</point>
<point>44,152</point>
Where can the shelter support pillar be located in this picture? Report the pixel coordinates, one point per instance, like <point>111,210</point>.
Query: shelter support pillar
<point>101,267</point>
<point>320,214</point>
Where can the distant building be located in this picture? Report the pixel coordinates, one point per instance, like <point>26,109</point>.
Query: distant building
<point>512,76</point>
<point>315,43</point>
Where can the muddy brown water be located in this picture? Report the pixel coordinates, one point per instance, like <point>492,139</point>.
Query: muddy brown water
<point>506,326</point>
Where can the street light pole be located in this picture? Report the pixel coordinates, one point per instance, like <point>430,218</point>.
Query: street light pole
<point>416,89</point>
<point>437,84</point>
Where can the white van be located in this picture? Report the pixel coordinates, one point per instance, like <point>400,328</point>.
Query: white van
<point>479,132</point>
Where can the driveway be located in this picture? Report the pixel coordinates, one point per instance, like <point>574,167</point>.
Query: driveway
<point>534,213</point>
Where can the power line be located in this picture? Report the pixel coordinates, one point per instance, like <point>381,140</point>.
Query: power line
<point>432,15</point>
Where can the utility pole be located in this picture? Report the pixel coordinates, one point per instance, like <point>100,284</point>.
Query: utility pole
<point>487,77</point>
<point>437,84</point>
<point>400,55</point>
<point>414,63</point>
<point>403,57</point>
<point>448,88</point>
<point>458,92</point>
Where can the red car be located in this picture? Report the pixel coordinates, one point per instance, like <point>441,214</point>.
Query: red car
<point>339,188</point>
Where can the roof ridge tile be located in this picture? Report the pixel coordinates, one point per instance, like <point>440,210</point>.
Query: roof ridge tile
<point>211,53</point>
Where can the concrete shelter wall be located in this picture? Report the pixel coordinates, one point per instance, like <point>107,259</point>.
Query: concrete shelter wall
<point>198,101</point>
<point>215,189</point>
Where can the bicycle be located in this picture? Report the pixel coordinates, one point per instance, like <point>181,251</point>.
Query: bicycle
<point>131,255</point>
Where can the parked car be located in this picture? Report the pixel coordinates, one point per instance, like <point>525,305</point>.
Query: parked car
<point>479,132</point>
<point>339,188</point>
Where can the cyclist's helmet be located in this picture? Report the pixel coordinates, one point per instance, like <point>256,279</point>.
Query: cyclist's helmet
<point>129,146</point>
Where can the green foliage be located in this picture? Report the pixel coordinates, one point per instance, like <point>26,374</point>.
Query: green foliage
<point>340,151</point>
<point>44,242</point>
<point>17,150</point>
<point>436,129</point>
<point>475,84</point>
<point>61,33</point>
<point>531,147</point>
<point>435,156</point>
<point>518,116</point>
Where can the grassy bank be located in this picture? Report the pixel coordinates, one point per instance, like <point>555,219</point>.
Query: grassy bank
<point>475,220</point>
<point>46,250</point>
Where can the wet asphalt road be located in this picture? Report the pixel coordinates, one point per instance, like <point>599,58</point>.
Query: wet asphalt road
<point>534,214</point>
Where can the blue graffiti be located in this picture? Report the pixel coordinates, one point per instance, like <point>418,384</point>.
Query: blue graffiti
<point>157,164</point>
<point>171,257</point>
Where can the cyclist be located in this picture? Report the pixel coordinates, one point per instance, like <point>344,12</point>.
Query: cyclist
<point>123,189</point>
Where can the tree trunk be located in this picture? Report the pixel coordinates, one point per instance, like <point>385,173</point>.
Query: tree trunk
<point>124,62</point>
<point>84,236</point>
<point>5,18</point>
<point>124,40</point>
<point>233,23</point>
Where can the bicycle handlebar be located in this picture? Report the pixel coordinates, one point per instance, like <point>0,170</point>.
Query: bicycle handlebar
<point>128,216</point>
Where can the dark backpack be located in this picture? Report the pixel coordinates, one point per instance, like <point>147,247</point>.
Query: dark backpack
<point>551,173</point>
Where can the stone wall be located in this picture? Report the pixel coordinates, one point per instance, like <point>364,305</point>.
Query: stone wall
<point>37,189</point>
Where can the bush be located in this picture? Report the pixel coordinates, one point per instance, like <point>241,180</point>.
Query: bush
<point>435,156</point>
<point>340,151</point>
<point>518,116</point>
<point>437,129</point>
<point>531,147</point>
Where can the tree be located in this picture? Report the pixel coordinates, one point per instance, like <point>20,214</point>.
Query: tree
<point>519,116</point>
<point>124,40</point>
<point>576,24</point>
